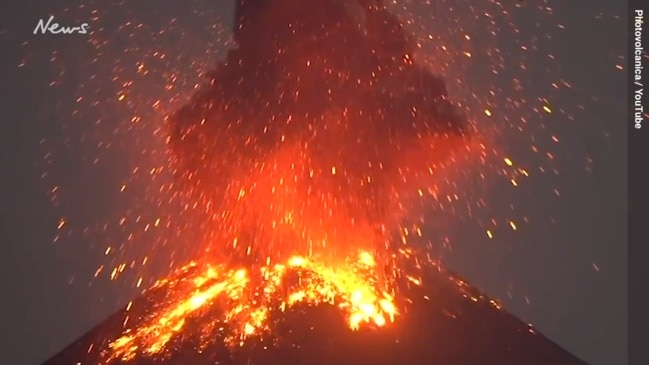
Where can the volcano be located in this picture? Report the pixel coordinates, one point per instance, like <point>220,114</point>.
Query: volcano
<point>301,158</point>
<point>447,322</point>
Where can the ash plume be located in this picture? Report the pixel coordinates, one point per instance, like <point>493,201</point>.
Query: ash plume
<point>315,131</point>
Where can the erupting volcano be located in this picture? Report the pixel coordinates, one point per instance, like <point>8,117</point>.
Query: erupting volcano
<point>307,158</point>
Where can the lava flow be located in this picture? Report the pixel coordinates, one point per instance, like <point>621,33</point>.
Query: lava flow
<point>303,158</point>
<point>249,298</point>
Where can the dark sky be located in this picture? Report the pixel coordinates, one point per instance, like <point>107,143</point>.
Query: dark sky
<point>565,270</point>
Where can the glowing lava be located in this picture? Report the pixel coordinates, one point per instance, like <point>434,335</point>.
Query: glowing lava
<point>245,299</point>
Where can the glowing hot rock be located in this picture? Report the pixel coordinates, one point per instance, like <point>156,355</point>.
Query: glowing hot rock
<point>244,301</point>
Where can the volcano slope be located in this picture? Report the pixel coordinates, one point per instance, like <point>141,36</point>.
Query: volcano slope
<point>444,322</point>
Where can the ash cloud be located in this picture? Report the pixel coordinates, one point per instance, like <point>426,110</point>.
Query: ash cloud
<point>316,122</point>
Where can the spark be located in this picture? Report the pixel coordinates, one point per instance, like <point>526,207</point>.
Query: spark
<point>512,225</point>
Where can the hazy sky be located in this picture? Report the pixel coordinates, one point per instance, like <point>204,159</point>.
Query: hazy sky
<point>565,271</point>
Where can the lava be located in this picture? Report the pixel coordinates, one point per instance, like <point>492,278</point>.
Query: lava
<point>245,300</point>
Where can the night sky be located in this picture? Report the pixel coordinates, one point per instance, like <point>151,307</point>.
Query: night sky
<point>563,269</point>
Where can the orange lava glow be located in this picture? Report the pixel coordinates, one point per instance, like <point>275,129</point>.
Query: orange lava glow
<point>245,299</point>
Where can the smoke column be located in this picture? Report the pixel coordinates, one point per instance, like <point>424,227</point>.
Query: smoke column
<point>315,134</point>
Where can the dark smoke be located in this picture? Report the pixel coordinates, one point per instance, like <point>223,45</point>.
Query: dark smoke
<point>313,86</point>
